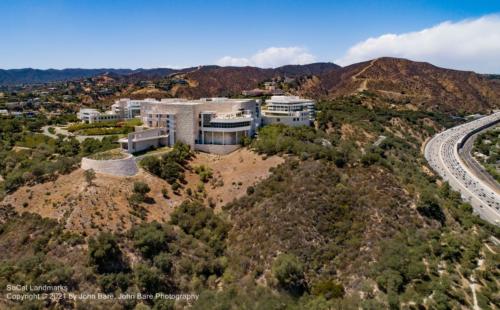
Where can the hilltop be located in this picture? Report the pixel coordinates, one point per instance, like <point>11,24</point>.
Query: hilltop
<point>408,82</point>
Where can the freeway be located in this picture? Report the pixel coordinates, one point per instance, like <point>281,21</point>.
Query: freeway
<point>442,154</point>
<point>466,154</point>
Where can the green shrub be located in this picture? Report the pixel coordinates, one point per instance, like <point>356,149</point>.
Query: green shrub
<point>328,288</point>
<point>429,207</point>
<point>111,282</point>
<point>105,254</point>
<point>152,238</point>
<point>201,222</point>
<point>149,279</point>
<point>204,172</point>
<point>164,193</point>
<point>250,190</point>
<point>176,186</point>
<point>141,188</point>
<point>289,272</point>
<point>163,261</point>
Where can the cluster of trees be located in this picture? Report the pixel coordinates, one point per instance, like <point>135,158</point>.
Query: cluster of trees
<point>305,142</point>
<point>408,258</point>
<point>38,157</point>
<point>488,144</point>
<point>170,166</point>
<point>352,110</point>
<point>169,259</point>
<point>199,221</point>
<point>29,239</point>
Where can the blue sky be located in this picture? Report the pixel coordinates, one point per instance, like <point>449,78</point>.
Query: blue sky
<point>134,34</point>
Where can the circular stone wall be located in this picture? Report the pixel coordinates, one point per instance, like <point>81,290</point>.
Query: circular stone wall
<point>120,167</point>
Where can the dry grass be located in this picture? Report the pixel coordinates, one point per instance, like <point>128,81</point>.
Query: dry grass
<point>104,205</point>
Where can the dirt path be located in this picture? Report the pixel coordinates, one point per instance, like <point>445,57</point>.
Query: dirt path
<point>364,82</point>
<point>474,297</point>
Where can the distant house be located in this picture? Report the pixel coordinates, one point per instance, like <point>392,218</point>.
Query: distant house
<point>262,92</point>
<point>14,105</point>
<point>277,92</point>
<point>254,92</point>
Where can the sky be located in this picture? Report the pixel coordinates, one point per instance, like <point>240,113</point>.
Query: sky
<point>269,33</point>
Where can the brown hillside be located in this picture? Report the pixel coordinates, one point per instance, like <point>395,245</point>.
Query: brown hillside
<point>222,81</point>
<point>104,205</point>
<point>208,81</point>
<point>418,83</point>
<point>402,81</point>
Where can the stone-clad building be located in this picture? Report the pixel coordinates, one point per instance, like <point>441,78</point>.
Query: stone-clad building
<point>215,125</point>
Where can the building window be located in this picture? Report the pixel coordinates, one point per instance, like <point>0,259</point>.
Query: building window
<point>226,125</point>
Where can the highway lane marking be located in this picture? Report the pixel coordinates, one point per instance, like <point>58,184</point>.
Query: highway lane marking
<point>428,151</point>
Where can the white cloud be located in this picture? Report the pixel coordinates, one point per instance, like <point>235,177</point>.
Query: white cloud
<point>271,57</point>
<point>472,44</point>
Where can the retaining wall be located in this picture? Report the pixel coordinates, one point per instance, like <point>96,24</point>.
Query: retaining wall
<point>462,140</point>
<point>216,148</point>
<point>120,167</point>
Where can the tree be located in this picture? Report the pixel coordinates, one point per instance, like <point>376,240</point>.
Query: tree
<point>149,279</point>
<point>152,164</point>
<point>164,193</point>
<point>139,193</point>
<point>141,188</point>
<point>152,238</point>
<point>430,208</point>
<point>105,254</point>
<point>89,176</point>
<point>204,172</point>
<point>170,171</point>
<point>164,262</point>
<point>328,288</point>
<point>289,272</point>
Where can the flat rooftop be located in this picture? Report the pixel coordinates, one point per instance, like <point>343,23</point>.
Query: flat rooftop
<point>288,99</point>
<point>197,101</point>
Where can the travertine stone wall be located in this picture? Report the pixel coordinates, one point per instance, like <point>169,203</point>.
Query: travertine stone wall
<point>119,167</point>
<point>216,149</point>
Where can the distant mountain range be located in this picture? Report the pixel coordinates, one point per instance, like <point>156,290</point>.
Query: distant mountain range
<point>402,81</point>
<point>37,76</point>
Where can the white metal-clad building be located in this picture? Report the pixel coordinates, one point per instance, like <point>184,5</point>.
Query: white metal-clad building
<point>288,110</point>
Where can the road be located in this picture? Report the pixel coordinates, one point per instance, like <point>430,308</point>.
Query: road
<point>442,154</point>
<point>466,154</point>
